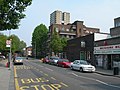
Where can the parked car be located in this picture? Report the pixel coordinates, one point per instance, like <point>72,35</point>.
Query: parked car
<point>53,60</point>
<point>82,65</point>
<point>2,57</point>
<point>45,60</point>
<point>18,60</point>
<point>64,63</point>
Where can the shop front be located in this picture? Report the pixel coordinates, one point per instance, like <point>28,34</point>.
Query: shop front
<point>107,56</point>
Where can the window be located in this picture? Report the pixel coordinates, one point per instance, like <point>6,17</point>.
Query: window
<point>62,28</point>
<point>82,44</point>
<point>71,30</point>
<point>67,29</point>
<point>72,36</point>
<point>57,29</point>
<point>67,36</point>
<point>88,55</point>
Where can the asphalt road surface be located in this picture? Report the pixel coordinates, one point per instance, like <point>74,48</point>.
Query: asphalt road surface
<point>34,75</point>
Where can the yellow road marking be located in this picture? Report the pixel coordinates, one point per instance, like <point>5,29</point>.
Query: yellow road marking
<point>16,81</point>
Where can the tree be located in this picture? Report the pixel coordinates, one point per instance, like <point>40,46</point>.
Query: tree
<point>55,44</point>
<point>39,39</point>
<point>17,45</point>
<point>64,42</point>
<point>11,12</point>
<point>3,39</point>
<point>22,45</point>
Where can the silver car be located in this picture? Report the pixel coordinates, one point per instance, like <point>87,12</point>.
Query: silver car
<point>53,60</point>
<point>18,60</point>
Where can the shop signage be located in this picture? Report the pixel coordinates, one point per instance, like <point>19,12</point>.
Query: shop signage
<point>110,49</point>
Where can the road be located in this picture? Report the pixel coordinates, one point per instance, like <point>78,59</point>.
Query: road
<point>34,75</point>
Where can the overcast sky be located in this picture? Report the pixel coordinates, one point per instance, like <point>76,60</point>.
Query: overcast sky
<point>94,13</point>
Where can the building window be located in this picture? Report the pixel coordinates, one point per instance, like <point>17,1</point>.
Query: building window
<point>62,28</point>
<point>82,55</point>
<point>71,30</point>
<point>57,29</point>
<point>86,31</point>
<point>67,29</point>
<point>88,55</point>
<point>82,44</point>
<point>67,36</point>
<point>72,36</point>
<point>91,32</point>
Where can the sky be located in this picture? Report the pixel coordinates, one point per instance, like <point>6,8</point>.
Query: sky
<point>95,13</point>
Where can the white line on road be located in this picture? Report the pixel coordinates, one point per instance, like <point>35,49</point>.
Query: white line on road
<point>48,69</point>
<point>74,74</point>
<point>107,84</point>
<point>64,84</point>
<point>94,80</point>
<point>53,78</point>
<point>41,66</point>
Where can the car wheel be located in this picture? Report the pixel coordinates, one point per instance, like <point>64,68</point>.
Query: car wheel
<point>63,66</point>
<point>81,69</point>
<point>71,68</point>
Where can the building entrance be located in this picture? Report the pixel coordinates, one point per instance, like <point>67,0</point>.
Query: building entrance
<point>109,62</point>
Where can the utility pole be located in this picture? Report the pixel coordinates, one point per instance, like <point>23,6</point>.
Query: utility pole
<point>8,44</point>
<point>10,51</point>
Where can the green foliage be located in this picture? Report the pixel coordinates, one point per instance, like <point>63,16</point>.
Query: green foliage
<point>3,39</point>
<point>11,12</point>
<point>22,45</point>
<point>16,44</point>
<point>39,39</point>
<point>64,42</point>
<point>57,44</point>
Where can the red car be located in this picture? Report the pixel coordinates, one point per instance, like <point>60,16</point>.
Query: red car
<point>64,63</point>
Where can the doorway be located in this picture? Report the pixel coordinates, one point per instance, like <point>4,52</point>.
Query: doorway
<point>109,64</point>
<point>82,55</point>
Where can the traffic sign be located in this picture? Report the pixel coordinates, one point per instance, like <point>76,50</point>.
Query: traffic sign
<point>8,43</point>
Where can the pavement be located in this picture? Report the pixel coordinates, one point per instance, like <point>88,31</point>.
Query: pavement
<point>106,72</point>
<point>7,75</point>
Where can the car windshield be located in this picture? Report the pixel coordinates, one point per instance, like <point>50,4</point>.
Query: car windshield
<point>19,58</point>
<point>65,60</point>
<point>84,62</point>
<point>56,58</point>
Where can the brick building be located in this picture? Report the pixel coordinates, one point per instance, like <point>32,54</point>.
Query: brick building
<point>70,31</point>
<point>83,47</point>
<point>107,51</point>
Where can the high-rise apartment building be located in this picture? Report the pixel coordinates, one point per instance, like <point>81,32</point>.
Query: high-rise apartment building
<point>59,17</point>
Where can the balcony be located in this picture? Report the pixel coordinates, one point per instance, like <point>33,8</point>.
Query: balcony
<point>67,32</point>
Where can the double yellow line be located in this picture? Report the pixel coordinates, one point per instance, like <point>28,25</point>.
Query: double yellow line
<point>16,80</point>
